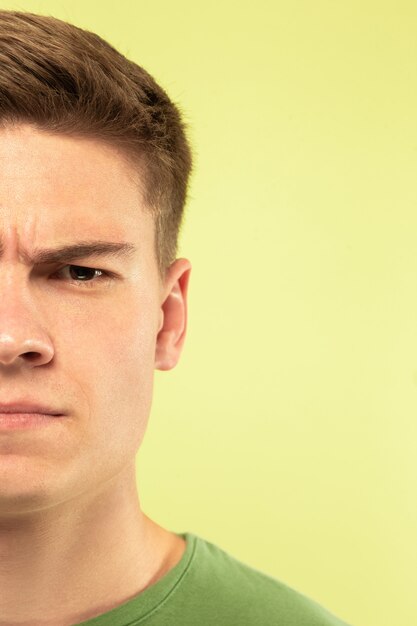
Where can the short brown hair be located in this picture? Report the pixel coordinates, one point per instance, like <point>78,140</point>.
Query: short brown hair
<point>64,79</point>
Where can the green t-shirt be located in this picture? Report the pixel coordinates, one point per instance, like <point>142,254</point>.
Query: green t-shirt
<point>209,587</point>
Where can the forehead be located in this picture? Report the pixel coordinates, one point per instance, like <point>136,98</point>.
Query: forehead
<point>53,186</point>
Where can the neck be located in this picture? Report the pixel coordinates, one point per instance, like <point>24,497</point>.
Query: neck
<point>81,558</point>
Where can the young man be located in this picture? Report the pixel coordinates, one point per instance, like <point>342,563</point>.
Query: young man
<point>94,165</point>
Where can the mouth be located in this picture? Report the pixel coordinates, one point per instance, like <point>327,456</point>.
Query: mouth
<point>21,421</point>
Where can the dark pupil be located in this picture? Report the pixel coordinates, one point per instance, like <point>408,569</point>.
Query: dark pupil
<point>83,272</point>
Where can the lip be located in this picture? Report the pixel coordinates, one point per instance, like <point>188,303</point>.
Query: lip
<point>24,415</point>
<point>28,407</point>
<point>24,421</point>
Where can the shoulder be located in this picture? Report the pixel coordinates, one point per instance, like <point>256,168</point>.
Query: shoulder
<point>240,594</point>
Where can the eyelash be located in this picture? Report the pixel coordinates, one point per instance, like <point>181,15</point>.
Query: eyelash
<point>105,276</point>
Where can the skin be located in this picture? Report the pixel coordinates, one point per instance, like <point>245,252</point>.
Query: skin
<point>74,542</point>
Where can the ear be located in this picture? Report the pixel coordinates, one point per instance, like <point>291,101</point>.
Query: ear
<point>173,315</point>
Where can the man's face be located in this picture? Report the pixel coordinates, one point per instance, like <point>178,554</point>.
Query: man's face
<point>78,341</point>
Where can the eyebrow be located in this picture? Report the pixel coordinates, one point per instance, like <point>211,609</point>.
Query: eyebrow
<point>77,250</point>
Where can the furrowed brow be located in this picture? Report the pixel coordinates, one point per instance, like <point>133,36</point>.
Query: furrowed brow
<point>78,250</point>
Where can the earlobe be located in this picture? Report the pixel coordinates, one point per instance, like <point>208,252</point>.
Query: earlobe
<point>172,330</point>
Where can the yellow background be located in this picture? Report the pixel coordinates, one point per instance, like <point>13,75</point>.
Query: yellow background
<point>287,433</point>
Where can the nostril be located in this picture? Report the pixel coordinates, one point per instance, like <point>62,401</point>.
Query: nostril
<point>17,353</point>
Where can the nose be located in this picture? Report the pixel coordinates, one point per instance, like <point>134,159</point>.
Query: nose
<point>16,349</point>
<point>23,339</point>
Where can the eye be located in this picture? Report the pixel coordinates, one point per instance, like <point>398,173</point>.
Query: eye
<point>83,276</point>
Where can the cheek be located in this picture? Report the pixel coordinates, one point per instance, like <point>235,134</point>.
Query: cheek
<point>112,367</point>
